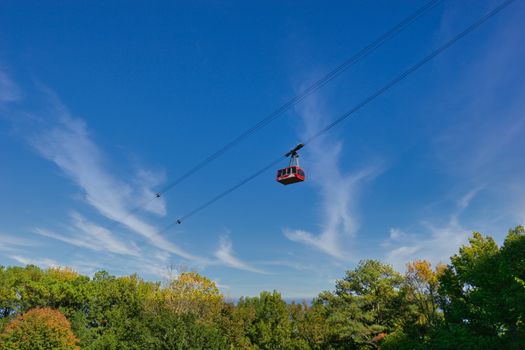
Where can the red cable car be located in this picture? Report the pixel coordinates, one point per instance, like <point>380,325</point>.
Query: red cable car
<point>293,172</point>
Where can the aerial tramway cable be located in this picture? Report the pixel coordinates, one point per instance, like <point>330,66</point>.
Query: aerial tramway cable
<point>296,99</point>
<point>356,108</point>
<point>390,33</point>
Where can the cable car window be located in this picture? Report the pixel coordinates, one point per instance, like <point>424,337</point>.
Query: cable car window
<point>293,170</point>
<point>300,172</point>
<point>279,172</point>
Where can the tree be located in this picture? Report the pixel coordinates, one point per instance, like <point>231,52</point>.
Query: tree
<point>266,321</point>
<point>365,306</point>
<point>476,302</point>
<point>191,293</point>
<point>169,330</point>
<point>232,323</point>
<point>39,329</point>
<point>422,289</point>
<point>481,295</point>
<point>310,328</point>
<point>470,292</point>
<point>512,289</point>
<point>114,314</point>
<point>24,288</point>
<point>421,301</point>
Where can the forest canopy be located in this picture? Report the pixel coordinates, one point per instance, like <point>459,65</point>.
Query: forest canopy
<point>476,301</point>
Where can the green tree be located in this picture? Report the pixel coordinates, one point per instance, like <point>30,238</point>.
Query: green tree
<point>169,330</point>
<point>266,321</point>
<point>310,328</point>
<point>113,317</point>
<point>510,309</point>
<point>365,306</point>
<point>232,323</point>
<point>469,294</point>
<point>24,288</point>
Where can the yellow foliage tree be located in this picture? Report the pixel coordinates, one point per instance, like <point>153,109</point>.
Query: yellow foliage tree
<point>192,293</point>
<point>63,274</point>
<point>423,288</point>
<point>39,329</point>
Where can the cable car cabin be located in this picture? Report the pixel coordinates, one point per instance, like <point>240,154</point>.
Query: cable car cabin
<point>290,175</point>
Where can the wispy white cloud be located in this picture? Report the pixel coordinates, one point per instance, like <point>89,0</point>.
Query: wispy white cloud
<point>291,264</point>
<point>464,201</point>
<point>338,189</point>
<point>152,267</point>
<point>145,181</point>
<point>69,145</point>
<point>436,243</point>
<point>42,262</point>
<point>87,234</point>
<point>339,219</point>
<point>225,256</point>
<point>9,243</point>
<point>396,234</point>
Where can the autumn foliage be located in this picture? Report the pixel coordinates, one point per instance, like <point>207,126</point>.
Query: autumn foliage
<point>39,329</point>
<point>476,301</point>
<point>191,293</point>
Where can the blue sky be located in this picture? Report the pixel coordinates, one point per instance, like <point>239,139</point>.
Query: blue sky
<point>103,105</point>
